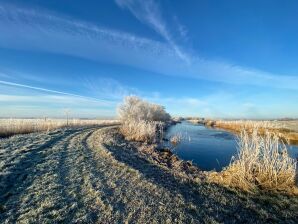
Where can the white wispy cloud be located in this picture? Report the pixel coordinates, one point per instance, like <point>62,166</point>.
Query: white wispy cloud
<point>222,104</point>
<point>46,99</point>
<point>43,31</point>
<point>29,111</point>
<point>149,12</point>
<point>39,104</point>
<point>30,29</point>
<point>19,85</point>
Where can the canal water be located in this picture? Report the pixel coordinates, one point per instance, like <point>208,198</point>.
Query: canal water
<point>208,148</point>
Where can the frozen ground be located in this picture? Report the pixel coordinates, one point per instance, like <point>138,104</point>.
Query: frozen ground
<point>89,175</point>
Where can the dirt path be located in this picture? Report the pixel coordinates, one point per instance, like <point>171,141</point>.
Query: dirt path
<point>68,176</point>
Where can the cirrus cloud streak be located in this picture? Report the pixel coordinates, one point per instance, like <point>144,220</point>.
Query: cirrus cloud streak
<point>25,29</point>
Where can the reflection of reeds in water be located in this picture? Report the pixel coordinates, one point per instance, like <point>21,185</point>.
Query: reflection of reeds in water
<point>262,163</point>
<point>176,139</point>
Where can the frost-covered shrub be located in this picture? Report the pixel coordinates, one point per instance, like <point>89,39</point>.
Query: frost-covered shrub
<point>141,120</point>
<point>134,108</point>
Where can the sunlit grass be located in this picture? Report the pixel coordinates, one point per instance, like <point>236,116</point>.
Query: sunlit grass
<point>286,130</point>
<point>142,131</point>
<point>9,127</point>
<point>262,163</point>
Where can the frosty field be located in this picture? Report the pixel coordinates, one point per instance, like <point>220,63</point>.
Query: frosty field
<point>91,174</point>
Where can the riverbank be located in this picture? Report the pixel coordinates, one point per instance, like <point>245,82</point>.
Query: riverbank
<point>211,149</point>
<point>262,205</point>
<point>287,130</point>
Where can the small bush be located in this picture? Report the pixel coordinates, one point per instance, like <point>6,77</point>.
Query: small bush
<point>262,163</point>
<point>134,108</point>
<point>141,120</point>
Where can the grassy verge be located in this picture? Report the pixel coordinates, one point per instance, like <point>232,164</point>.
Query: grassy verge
<point>262,163</point>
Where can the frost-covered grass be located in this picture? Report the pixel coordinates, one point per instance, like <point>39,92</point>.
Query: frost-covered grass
<point>262,163</point>
<point>142,131</point>
<point>9,127</point>
<point>287,130</point>
<point>248,125</point>
<point>290,125</point>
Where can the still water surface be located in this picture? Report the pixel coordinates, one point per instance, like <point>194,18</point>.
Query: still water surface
<point>208,148</point>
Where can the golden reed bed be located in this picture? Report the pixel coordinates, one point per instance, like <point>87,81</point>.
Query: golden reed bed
<point>287,130</point>
<point>9,127</point>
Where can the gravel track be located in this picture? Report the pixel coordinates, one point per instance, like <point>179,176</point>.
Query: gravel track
<point>81,175</point>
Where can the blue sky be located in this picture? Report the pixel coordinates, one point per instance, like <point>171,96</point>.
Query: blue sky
<point>224,59</point>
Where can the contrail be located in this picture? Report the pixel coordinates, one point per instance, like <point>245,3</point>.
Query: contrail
<point>52,91</point>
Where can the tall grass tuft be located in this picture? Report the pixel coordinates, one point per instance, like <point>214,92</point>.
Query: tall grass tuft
<point>142,131</point>
<point>262,163</point>
<point>176,139</point>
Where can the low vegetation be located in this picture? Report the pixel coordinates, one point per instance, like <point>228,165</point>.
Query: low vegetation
<point>262,163</point>
<point>9,127</point>
<point>176,139</point>
<point>142,131</point>
<point>248,125</point>
<point>285,129</point>
<point>141,120</point>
